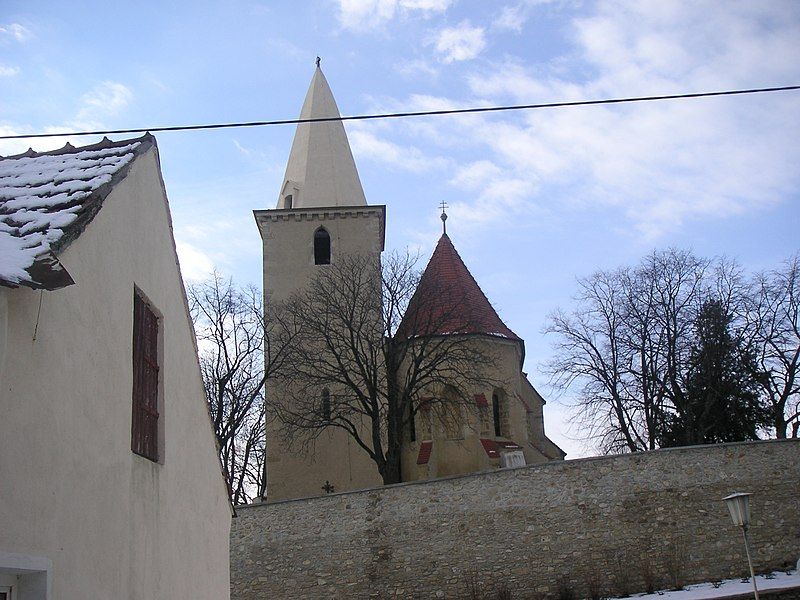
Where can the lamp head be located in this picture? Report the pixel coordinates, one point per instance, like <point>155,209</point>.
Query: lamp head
<point>739,507</point>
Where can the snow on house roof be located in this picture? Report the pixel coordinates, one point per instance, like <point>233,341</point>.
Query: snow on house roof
<point>48,198</point>
<point>449,301</point>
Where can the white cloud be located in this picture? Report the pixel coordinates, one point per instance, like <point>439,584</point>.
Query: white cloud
<point>462,42</point>
<point>514,80</point>
<point>514,16</point>
<point>6,71</point>
<point>654,166</point>
<point>414,68</point>
<point>511,18</point>
<point>362,14</point>
<point>106,99</point>
<point>252,156</point>
<point>407,158</point>
<point>246,152</point>
<point>498,194</point>
<point>369,14</point>
<point>475,175</point>
<point>426,5</point>
<point>18,32</point>
<point>195,264</point>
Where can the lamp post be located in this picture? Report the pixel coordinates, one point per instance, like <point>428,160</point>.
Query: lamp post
<point>739,507</point>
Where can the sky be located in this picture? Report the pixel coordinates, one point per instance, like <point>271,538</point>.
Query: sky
<point>537,198</point>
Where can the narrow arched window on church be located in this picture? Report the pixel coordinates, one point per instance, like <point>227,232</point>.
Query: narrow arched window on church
<point>322,247</point>
<point>496,415</point>
<point>287,201</point>
<point>326,404</point>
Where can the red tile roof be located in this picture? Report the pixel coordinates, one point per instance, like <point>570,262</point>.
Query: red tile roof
<point>508,445</point>
<point>448,300</point>
<point>493,447</point>
<point>424,453</point>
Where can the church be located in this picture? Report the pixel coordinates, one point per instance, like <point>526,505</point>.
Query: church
<point>322,214</point>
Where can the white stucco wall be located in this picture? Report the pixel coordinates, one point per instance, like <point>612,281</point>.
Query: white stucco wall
<point>113,524</point>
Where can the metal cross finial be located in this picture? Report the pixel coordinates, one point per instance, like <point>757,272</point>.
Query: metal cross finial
<point>443,206</point>
<point>318,61</point>
<point>329,489</point>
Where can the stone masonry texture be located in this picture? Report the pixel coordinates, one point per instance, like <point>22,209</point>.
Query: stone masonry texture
<point>605,526</point>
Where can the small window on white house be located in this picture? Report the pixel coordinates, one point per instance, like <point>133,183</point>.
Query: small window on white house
<point>144,425</point>
<point>322,247</point>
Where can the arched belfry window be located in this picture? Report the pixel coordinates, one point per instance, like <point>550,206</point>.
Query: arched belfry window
<point>322,247</point>
<point>326,404</point>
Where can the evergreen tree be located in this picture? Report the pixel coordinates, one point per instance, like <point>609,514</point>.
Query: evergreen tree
<point>721,402</point>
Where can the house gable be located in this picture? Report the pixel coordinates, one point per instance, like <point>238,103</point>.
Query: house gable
<point>114,523</point>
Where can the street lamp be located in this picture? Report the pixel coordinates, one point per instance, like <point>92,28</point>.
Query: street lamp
<point>739,507</point>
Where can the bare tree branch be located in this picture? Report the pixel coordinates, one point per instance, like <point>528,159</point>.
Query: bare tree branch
<point>628,342</point>
<point>349,343</point>
<point>238,350</point>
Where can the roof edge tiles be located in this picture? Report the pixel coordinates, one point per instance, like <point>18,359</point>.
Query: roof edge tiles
<point>47,199</point>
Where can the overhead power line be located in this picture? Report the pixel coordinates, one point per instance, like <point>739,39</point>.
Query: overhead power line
<point>421,113</point>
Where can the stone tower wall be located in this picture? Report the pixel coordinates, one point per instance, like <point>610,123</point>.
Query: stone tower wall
<point>609,523</point>
<point>288,237</point>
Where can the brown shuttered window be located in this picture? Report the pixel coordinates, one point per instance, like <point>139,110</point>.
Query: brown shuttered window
<point>144,427</point>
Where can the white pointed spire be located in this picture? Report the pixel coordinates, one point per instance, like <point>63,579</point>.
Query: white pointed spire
<point>321,171</point>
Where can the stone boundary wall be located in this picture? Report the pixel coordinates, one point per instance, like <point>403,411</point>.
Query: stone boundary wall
<point>606,525</point>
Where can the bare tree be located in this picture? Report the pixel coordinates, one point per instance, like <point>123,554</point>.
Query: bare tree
<point>628,342</point>
<point>365,357</point>
<point>590,350</point>
<point>238,350</point>
<point>773,321</point>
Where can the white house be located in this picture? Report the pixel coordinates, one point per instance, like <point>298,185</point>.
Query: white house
<point>110,485</point>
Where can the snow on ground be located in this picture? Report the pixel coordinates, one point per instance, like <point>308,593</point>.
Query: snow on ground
<point>729,587</point>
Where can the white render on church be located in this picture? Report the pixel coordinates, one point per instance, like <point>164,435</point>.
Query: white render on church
<point>321,171</point>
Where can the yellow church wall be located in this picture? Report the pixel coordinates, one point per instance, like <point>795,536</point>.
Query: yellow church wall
<point>459,452</point>
<point>295,470</point>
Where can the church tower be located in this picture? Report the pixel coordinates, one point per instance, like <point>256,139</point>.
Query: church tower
<point>321,214</point>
